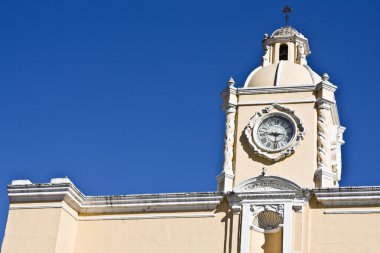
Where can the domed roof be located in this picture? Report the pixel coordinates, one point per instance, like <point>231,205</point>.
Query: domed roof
<point>286,31</point>
<point>283,73</point>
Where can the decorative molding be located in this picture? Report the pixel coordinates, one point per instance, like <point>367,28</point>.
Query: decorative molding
<point>225,175</point>
<point>234,202</point>
<point>274,90</point>
<point>352,212</point>
<point>229,106</point>
<point>267,218</point>
<point>266,58</point>
<point>348,196</point>
<point>301,55</point>
<point>326,85</point>
<point>264,113</point>
<point>311,72</point>
<point>319,173</point>
<point>323,144</point>
<point>266,184</point>
<point>229,139</point>
<point>285,101</point>
<point>68,193</point>
<point>113,217</point>
<point>144,217</point>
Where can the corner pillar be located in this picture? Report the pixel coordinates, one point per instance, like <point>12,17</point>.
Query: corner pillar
<point>225,179</point>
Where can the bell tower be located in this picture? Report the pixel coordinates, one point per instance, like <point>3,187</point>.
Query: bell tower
<point>284,121</point>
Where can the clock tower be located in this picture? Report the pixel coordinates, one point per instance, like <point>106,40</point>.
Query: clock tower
<point>284,121</point>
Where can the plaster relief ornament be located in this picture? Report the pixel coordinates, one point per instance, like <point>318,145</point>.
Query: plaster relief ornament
<point>265,58</point>
<point>267,218</point>
<point>274,132</point>
<point>301,56</point>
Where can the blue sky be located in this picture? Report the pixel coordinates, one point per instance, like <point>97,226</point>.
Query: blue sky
<point>123,96</point>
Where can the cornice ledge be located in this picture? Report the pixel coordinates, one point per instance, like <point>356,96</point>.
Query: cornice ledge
<point>68,193</point>
<point>348,196</point>
<point>326,85</point>
<point>227,174</point>
<point>229,90</point>
<point>152,202</point>
<point>277,89</point>
<point>324,101</point>
<point>267,195</point>
<point>52,192</point>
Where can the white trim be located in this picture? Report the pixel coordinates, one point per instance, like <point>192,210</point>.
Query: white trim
<point>326,85</point>
<point>273,89</point>
<point>113,204</point>
<point>287,229</point>
<point>266,184</point>
<point>285,101</point>
<point>352,212</point>
<point>348,196</point>
<point>245,229</point>
<point>144,217</point>
<point>310,72</point>
<point>113,217</point>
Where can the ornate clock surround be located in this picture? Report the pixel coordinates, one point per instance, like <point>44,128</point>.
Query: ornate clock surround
<point>257,119</point>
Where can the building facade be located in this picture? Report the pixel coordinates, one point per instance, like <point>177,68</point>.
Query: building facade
<point>278,190</point>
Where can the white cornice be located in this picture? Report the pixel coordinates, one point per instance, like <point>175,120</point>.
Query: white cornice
<point>113,216</point>
<point>228,90</point>
<point>68,193</point>
<point>284,101</point>
<point>36,196</point>
<point>348,196</point>
<point>352,212</point>
<point>326,85</point>
<point>275,89</point>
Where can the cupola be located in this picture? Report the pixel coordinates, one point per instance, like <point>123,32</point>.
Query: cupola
<point>284,61</point>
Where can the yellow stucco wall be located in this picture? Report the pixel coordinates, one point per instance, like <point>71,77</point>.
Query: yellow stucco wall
<point>54,230</point>
<point>348,233</point>
<point>67,232</point>
<point>31,230</point>
<point>299,167</point>
<point>152,235</point>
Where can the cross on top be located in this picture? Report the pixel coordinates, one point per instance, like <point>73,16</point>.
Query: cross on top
<point>287,10</point>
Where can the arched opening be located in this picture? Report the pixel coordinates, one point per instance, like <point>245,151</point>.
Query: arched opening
<point>283,52</point>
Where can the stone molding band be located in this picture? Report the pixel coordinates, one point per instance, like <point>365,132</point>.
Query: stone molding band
<point>32,195</point>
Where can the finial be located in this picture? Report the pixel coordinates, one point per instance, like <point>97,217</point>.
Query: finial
<point>325,77</point>
<point>266,36</point>
<point>287,10</point>
<point>231,82</point>
<point>264,171</point>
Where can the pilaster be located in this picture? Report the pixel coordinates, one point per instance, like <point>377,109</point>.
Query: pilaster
<point>225,179</point>
<point>324,175</point>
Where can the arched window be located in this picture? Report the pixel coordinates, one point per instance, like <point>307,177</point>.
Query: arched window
<point>283,52</point>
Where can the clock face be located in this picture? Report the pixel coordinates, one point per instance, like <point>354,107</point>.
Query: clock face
<point>275,133</point>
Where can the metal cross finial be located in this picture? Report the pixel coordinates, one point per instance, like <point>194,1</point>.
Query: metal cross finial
<point>286,10</point>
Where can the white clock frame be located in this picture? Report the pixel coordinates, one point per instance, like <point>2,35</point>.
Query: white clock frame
<point>273,110</point>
